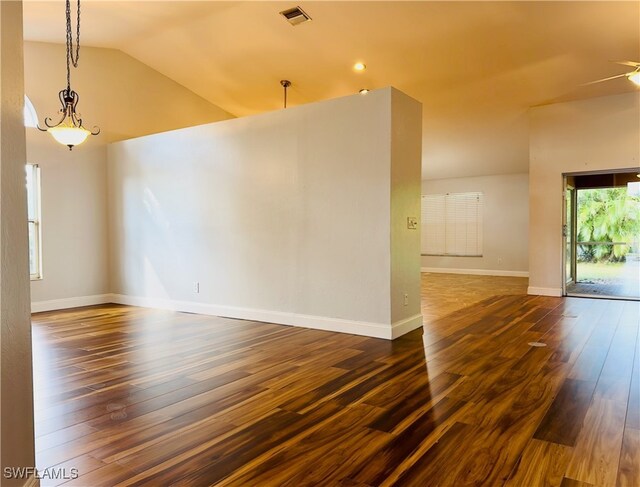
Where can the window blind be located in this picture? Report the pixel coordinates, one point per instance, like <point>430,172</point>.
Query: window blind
<point>452,224</point>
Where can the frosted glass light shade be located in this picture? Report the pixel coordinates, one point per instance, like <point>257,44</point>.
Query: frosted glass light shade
<point>69,136</point>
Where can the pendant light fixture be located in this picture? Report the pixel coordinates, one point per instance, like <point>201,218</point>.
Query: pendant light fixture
<point>69,130</point>
<point>285,84</point>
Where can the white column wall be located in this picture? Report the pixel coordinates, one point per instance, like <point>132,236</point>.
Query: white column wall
<point>283,217</point>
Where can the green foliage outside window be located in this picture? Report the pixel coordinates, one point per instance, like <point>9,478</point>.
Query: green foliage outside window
<point>607,215</point>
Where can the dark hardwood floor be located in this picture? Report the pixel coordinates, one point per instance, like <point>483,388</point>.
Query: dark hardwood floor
<point>133,396</point>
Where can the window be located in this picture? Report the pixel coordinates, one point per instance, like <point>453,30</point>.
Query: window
<point>30,115</point>
<point>452,224</point>
<point>33,214</point>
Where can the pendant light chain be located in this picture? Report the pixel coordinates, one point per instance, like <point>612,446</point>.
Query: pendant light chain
<point>72,58</point>
<point>68,129</point>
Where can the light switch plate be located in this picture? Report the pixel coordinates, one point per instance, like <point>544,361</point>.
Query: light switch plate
<point>412,223</point>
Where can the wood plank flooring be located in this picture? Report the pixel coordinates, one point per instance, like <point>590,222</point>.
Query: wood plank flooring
<point>443,294</point>
<point>133,396</point>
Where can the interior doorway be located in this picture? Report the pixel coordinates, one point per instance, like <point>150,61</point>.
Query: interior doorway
<point>601,235</point>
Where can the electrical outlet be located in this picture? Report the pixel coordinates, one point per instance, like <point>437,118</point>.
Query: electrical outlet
<point>412,223</point>
<point>406,299</point>
<point>196,287</point>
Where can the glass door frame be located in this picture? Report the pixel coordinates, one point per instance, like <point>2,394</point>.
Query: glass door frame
<point>569,230</point>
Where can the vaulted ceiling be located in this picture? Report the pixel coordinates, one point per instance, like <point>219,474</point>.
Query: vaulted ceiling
<point>476,66</point>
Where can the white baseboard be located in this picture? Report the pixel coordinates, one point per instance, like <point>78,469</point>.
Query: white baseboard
<point>475,272</point>
<point>66,303</point>
<point>375,330</point>
<point>403,327</point>
<point>544,291</point>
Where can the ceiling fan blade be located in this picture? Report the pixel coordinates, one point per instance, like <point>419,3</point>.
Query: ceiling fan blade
<point>627,63</point>
<point>603,79</point>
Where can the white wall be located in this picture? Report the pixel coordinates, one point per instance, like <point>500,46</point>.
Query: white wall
<point>406,165</point>
<point>126,99</point>
<point>283,217</point>
<point>16,380</point>
<point>505,225</point>
<point>589,135</point>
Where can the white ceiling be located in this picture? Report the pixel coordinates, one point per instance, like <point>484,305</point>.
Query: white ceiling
<point>475,66</point>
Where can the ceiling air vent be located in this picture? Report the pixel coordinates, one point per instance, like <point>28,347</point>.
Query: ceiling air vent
<point>295,15</point>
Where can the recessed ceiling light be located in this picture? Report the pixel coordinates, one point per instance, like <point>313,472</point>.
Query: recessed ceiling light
<point>359,66</point>
<point>363,91</point>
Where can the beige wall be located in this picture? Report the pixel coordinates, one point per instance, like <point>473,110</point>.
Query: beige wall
<point>16,394</point>
<point>120,94</point>
<point>589,135</point>
<point>74,221</point>
<point>126,99</point>
<point>505,225</point>
<point>283,217</point>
